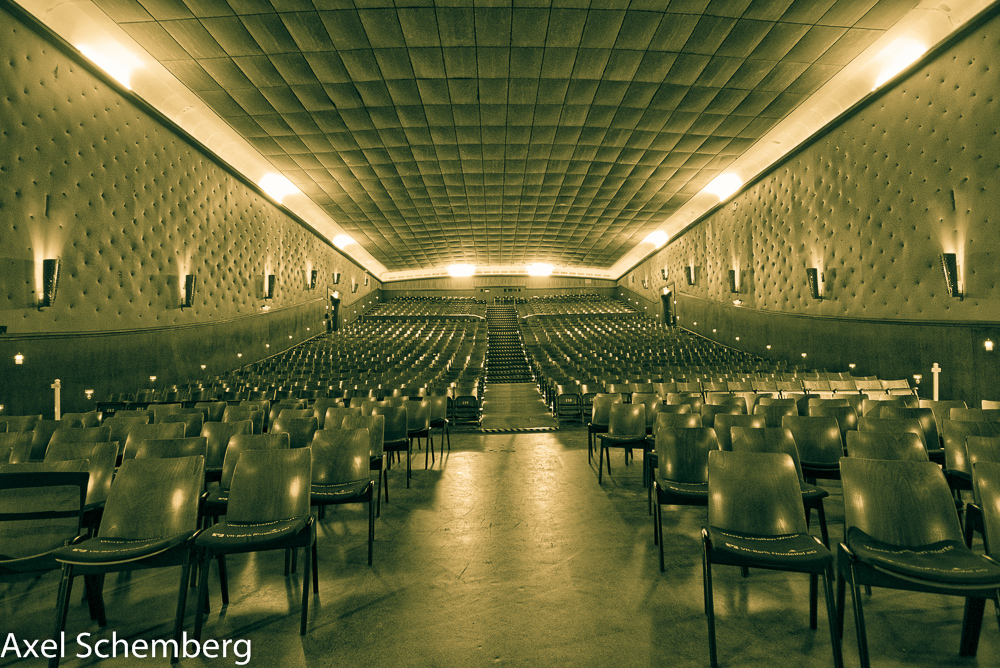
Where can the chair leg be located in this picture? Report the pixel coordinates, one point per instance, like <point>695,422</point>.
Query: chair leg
<point>859,620</point>
<point>181,605</point>
<point>821,514</point>
<point>315,567</point>
<point>600,465</point>
<point>409,457</point>
<point>95,600</point>
<point>224,579</point>
<point>709,607</point>
<point>841,600</point>
<point>305,585</point>
<point>972,624</point>
<point>813,600</point>
<point>385,476</point>
<point>831,616</point>
<point>62,607</point>
<point>199,615</point>
<point>371,528</point>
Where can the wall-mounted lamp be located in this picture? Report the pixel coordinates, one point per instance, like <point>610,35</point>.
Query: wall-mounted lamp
<point>689,270</point>
<point>815,282</point>
<point>50,281</point>
<point>917,378</point>
<point>187,301</point>
<point>354,287</point>
<point>366,280</point>
<point>203,367</point>
<point>313,277</point>
<point>663,273</point>
<point>269,286</point>
<point>733,287</point>
<point>19,359</point>
<point>851,366</point>
<point>949,263</point>
<point>152,379</point>
<point>336,277</point>
<point>988,345</point>
<point>645,283</point>
<point>89,393</point>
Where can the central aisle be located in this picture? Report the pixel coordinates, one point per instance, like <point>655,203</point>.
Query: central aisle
<point>515,407</point>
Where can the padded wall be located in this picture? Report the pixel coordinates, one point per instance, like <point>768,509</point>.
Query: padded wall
<point>872,203</point>
<point>130,207</point>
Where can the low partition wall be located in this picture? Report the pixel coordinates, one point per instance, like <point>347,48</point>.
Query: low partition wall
<point>889,349</point>
<point>123,361</point>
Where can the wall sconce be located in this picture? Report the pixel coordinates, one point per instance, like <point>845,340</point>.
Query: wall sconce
<point>354,287</point>
<point>949,263</point>
<point>645,283</point>
<point>50,280</point>
<point>152,379</point>
<point>663,273</point>
<point>89,393</point>
<point>188,300</point>
<point>19,359</point>
<point>689,270</point>
<point>366,280</point>
<point>336,277</point>
<point>917,378</point>
<point>313,277</point>
<point>732,281</point>
<point>269,286</point>
<point>815,282</point>
<point>988,345</point>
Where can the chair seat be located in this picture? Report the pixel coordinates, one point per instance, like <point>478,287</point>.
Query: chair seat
<point>946,561</point>
<point>813,493</point>
<point>232,537</point>
<point>615,439</point>
<point>682,492</point>
<point>799,551</point>
<point>34,563</point>
<point>401,444</point>
<point>340,491</point>
<point>98,551</point>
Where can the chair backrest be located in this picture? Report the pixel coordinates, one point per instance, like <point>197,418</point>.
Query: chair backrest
<point>15,447</point>
<point>903,503</point>
<point>277,406</point>
<point>924,416</point>
<point>20,423</point>
<point>368,405</point>
<point>775,401</point>
<point>983,449</point>
<point>891,425</point>
<point>601,408</point>
<point>81,435</point>
<point>754,493</point>
<point>989,404</point>
<point>675,409</point>
<point>774,413</point>
<point>818,439</point>
<point>395,422</point>
<point>941,410</point>
<point>709,411</point>
<point>769,439</point>
<point>676,421</point>
<point>695,401</point>
<point>976,414</point>
<point>217,435</point>
<point>192,420</point>
<point>683,453</point>
<point>240,443</point>
<point>846,416</point>
<point>154,498</point>
<point>101,459</point>
<point>271,485</point>
<point>320,407</point>
<point>725,422</point>
<point>438,407</point>
<point>886,445</point>
<point>418,415</point>
<point>955,434</point>
<point>160,410</point>
<point>335,414</point>
<point>212,410</point>
<point>816,401</point>
<point>158,448</point>
<point>241,413</point>
<point>300,430</point>
<point>375,424</point>
<point>340,456</point>
<point>121,422</point>
<point>40,510</point>
<point>263,405</point>
<point>88,419</point>
<point>627,420</point>
<point>143,432</point>
<point>986,483</point>
<point>651,402</point>
<point>873,407</point>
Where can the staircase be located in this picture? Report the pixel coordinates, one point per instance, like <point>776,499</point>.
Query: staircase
<point>505,358</point>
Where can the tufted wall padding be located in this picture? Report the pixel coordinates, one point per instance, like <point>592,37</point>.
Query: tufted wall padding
<point>129,206</point>
<point>873,203</point>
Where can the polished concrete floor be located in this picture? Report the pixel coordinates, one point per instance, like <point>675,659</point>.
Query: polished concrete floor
<point>508,552</point>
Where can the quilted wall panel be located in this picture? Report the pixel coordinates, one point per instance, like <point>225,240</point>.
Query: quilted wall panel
<point>873,203</point>
<point>130,207</point>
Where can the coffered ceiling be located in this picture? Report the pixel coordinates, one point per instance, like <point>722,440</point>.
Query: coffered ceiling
<point>479,132</point>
